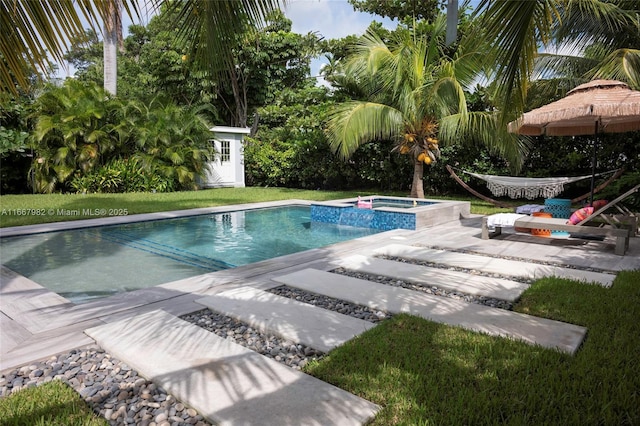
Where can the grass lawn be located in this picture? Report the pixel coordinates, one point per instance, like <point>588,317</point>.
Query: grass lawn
<point>424,373</point>
<point>54,403</point>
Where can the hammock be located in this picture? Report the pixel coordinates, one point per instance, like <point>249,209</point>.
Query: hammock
<point>530,188</point>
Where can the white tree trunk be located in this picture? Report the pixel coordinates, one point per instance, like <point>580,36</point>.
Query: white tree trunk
<point>452,21</point>
<point>112,28</point>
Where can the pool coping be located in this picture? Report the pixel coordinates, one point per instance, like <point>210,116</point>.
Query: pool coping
<point>14,231</point>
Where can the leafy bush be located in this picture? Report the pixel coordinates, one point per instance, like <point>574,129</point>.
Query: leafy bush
<point>81,134</point>
<point>121,175</point>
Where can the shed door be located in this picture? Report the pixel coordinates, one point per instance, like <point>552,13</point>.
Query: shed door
<point>224,161</point>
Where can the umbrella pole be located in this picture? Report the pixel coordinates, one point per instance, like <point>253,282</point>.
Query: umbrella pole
<point>593,163</point>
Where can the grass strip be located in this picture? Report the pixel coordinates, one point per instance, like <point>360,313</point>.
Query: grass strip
<point>53,403</point>
<point>425,373</point>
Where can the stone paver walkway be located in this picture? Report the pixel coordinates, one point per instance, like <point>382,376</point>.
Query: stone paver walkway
<point>498,322</point>
<point>493,265</point>
<point>224,381</point>
<point>464,282</point>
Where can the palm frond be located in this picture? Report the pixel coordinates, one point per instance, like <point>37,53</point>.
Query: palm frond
<point>33,31</point>
<point>549,65</point>
<point>621,64</point>
<point>353,123</point>
<point>210,28</point>
<point>485,128</point>
<point>609,23</point>
<point>516,28</point>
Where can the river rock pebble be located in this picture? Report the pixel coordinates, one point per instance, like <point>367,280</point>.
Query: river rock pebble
<point>111,388</point>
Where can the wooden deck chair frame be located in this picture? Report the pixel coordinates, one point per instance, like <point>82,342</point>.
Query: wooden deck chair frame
<point>621,235</point>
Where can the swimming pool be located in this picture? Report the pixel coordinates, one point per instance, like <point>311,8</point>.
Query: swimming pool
<point>85,264</point>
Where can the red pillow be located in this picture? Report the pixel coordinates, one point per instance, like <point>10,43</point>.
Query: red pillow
<point>599,203</point>
<point>580,214</point>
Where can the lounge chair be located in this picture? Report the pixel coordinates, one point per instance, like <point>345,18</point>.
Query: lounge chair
<point>558,224</point>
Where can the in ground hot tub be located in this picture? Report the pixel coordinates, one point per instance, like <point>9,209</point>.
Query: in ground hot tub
<point>386,213</point>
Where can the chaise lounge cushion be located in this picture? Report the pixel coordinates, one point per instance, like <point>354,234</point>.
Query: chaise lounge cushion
<point>580,215</point>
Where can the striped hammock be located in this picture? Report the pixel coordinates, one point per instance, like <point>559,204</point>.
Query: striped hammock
<point>529,188</point>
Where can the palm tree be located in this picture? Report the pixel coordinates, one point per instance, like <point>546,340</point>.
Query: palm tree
<point>35,30</point>
<point>517,29</point>
<point>414,95</point>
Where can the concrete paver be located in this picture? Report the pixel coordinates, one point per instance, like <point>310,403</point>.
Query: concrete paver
<point>223,381</point>
<point>478,285</point>
<point>497,322</point>
<point>296,321</point>
<point>507,267</point>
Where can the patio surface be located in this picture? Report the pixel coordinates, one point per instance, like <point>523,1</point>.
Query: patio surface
<point>36,323</point>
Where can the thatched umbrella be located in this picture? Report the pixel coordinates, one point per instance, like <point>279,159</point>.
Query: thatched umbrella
<point>600,106</point>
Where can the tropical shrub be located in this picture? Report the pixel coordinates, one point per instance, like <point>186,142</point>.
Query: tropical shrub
<point>168,140</point>
<point>121,175</point>
<point>74,133</point>
<point>14,144</point>
<point>83,135</point>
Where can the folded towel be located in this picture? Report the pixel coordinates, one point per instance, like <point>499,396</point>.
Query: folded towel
<point>529,208</point>
<point>503,219</point>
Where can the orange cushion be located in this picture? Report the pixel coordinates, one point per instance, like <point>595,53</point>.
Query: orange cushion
<point>580,214</point>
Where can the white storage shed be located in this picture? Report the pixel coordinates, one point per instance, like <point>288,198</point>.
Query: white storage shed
<point>227,169</point>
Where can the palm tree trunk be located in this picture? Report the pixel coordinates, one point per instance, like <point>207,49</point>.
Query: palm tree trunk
<point>417,187</point>
<point>452,21</point>
<point>112,28</point>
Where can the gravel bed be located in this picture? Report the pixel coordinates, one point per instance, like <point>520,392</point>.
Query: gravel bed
<point>481,300</point>
<point>112,389</point>
<point>292,354</point>
<point>332,304</point>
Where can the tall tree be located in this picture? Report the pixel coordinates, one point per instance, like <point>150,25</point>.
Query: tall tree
<point>400,9</point>
<point>35,29</point>
<point>414,95</point>
<point>112,40</point>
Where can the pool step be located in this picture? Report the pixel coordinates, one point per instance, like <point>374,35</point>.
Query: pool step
<point>223,381</point>
<point>478,285</point>
<point>507,267</point>
<point>165,250</point>
<point>290,319</point>
<point>497,322</point>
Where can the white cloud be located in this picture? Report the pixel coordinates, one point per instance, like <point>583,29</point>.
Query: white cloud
<point>330,19</point>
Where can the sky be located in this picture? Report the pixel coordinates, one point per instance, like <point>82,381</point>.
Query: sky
<point>330,19</point>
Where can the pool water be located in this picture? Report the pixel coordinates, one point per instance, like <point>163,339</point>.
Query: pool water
<point>398,204</point>
<point>85,264</point>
